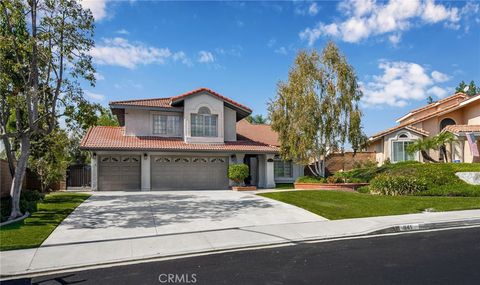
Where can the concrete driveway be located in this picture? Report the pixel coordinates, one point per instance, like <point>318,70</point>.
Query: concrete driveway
<point>126,215</point>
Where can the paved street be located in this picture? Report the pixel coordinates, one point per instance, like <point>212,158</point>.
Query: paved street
<point>442,257</point>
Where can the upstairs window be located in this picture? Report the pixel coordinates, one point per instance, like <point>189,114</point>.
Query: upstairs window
<point>166,125</point>
<point>204,124</point>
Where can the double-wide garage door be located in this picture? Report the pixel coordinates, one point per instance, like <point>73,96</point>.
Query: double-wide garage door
<point>119,172</point>
<point>189,172</point>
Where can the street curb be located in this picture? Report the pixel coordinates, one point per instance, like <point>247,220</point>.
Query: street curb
<point>425,226</point>
<point>401,228</point>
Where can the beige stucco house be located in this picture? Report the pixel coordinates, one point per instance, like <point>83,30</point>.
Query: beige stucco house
<point>183,142</point>
<point>458,114</point>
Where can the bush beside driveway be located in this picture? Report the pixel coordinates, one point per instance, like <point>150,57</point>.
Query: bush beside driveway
<point>343,205</point>
<point>32,231</point>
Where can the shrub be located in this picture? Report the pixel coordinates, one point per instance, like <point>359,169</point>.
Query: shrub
<point>363,190</point>
<point>28,203</point>
<point>397,185</point>
<point>238,172</point>
<point>310,179</point>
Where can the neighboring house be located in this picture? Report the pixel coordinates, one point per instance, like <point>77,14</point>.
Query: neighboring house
<point>458,114</point>
<point>183,142</point>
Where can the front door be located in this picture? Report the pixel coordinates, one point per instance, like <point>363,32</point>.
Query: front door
<point>252,162</point>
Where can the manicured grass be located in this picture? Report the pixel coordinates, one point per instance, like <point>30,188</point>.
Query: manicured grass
<point>32,231</point>
<point>343,205</point>
<point>282,186</point>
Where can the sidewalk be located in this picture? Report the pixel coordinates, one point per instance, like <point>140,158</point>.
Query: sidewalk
<point>56,257</point>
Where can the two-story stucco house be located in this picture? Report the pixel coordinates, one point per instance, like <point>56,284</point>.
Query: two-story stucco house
<point>458,114</point>
<point>183,142</point>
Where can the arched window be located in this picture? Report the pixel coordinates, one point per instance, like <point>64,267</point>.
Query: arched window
<point>446,122</point>
<point>399,148</point>
<point>204,111</point>
<point>204,124</point>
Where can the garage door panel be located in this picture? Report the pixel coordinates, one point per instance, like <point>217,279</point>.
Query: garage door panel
<point>189,172</point>
<point>119,172</point>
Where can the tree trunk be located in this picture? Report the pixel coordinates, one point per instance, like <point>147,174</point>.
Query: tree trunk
<point>20,171</point>
<point>8,152</point>
<point>443,149</point>
<point>427,157</point>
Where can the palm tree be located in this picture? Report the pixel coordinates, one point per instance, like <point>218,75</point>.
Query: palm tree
<point>437,142</point>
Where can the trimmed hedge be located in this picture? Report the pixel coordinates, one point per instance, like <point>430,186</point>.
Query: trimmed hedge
<point>439,179</point>
<point>397,185</point>
<point>238,172</point>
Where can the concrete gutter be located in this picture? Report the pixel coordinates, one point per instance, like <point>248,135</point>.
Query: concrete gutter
<point>81,256</point>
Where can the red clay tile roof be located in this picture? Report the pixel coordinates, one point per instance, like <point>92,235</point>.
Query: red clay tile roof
<point>415,111</point>
<point>158,102</point>
<point>391,130</point>
<point>113,138</point>
<point>182,96</point>
<point>260,133</point>
<point>462,128</point>
<point>422,118</point>
<point>167,102</point>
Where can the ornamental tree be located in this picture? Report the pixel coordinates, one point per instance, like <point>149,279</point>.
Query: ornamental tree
<point>44,51</point>
<point>315,111</point>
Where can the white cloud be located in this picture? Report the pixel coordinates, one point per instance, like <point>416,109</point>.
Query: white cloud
<point>205,57</point>
<point>313,9</point>
<point>281,50</point>
<point>98,8</point>
<point>440,77</point>
<point>182,57</point>
<point>437,91</point>
<point>99,76</point>
<point>305,7</point>
<point>395,39</point>
<point>271,42</point>
<point>121,52</point>
<point>94,96</point>
<point>123,32</point>
<point>401,82</point>
<point>365,18</point>
<point>435,13</point>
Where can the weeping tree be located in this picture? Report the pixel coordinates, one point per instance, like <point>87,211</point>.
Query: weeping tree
<point>315,111</point>
<point>438,142</point>
<point>44,49</point>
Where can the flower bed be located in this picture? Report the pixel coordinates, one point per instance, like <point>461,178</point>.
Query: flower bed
<point>244,188</point>
<point>328,186</point>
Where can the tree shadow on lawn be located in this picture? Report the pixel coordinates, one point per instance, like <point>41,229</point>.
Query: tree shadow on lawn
<point>158,209</point>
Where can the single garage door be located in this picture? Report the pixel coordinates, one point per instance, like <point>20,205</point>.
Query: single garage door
<point>189,173</point>
<point>119,172</point>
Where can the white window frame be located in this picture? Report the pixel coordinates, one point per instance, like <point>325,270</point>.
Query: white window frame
<point>206,122</point>
<point>275,163</point>
<point>175,131</point>
<point>403,141</point>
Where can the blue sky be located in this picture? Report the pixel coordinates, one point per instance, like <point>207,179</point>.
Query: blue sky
<point>402,51</point>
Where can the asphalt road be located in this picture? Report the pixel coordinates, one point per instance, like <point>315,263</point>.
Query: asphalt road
<point>442,257</point>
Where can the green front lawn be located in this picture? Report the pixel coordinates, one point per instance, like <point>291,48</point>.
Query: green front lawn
<point>336,205</point>
<point>32,231</point>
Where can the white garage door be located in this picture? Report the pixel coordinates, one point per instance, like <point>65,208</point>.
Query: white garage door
<point>189,173</point>
<point>119,172</point>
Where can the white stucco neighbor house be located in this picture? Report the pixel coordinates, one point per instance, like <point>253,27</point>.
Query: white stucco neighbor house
<point>183,142</point>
